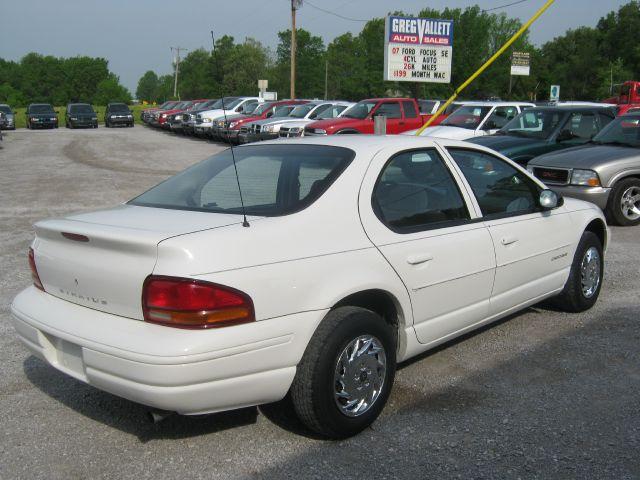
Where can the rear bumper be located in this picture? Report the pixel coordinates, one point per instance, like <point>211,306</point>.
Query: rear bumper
<point>187,371</point>
<point>597,195</point>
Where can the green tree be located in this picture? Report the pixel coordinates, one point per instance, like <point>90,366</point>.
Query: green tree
<point>110,90</point>
<point>309,64</point>
<point>244,65</point>
<point>147,87</point>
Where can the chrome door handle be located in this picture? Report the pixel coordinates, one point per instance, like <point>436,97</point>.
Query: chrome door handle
<point>508,240</point>
<point>419,259</point>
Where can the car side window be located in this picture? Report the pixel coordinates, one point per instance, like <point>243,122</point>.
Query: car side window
<point>582,126</point>
<point>389,110</point>
<point>415,191</point>
<point>500,189</point>
<point>409,110</point>
<point>500,117</point>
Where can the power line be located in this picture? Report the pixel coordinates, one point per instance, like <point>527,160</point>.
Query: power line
<point>504,6</point>
<point>336,14</point>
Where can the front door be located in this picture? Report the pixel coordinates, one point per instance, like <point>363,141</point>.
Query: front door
<point>425,226</point>
<point>533,247</point>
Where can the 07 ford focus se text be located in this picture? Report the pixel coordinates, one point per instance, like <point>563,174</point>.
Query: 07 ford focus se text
<point>356,253</point>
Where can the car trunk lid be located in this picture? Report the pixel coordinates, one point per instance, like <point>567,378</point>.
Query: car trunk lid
<point>101,259</point>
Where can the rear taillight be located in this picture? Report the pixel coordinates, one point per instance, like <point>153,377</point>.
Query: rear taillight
<point>189,303</point>
<point>34,270</point>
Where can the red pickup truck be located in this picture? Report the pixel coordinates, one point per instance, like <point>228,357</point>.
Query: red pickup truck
<point>402,115</point>
<point>628,97</point>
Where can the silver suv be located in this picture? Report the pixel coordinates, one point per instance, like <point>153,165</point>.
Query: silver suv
<point>605,171</point>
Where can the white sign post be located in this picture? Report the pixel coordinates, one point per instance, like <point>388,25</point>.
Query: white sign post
<point>554,94</point>
<point>418,49</point>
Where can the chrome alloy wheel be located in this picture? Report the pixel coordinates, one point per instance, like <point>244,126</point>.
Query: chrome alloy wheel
<point>590,272</point>
<point>630,203</point>
<point>359,375</point>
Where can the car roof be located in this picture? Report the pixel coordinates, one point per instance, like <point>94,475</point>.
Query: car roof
<point>371,142</point>
<point>494,104</point>
<point>573,108</point>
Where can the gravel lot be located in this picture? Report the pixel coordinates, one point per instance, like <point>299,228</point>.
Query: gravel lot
<point>540,395</point>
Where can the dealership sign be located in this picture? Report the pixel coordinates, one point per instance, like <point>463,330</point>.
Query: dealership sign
<point>520,63</point>
<point>418,49</point>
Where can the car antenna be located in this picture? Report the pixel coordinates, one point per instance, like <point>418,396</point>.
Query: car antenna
<point>245,223</point>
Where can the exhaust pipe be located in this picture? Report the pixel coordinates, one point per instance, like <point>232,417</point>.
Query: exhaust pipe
<point>157,416</point>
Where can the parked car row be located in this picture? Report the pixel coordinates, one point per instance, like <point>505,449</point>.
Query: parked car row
<point>77,115</point>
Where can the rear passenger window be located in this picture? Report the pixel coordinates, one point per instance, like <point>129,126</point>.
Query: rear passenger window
<point>409,110</point>
<point>389,110</point>
<point>500,189</point>
<point>415,191</point>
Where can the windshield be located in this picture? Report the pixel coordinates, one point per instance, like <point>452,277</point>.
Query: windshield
<point>5,109</point>
<point>274,179</point>
<point>229,102</point>
<point>42,108</point>
<point>361,109</point>
<point>533,123</point>
<point>262,108</point>
<point>301,111</point>
<point>332,112</point>
<point>282,110</point>
<point>623,130</point>
<point>82,108</point>
<point>466,117</point>
<point>426,106</point>
<point>118,107</point>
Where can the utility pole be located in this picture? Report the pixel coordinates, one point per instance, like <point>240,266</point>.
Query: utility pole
<point>295,4</point>
<point>326,78</point>
<point>175,75</point>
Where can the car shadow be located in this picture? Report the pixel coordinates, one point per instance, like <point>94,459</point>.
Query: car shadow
<point>125,415</point>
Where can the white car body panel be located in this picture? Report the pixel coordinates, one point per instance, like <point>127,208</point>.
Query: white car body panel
<point>295,268</point>
<point>459,133</point>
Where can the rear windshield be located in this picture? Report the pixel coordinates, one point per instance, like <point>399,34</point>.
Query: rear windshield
<point>43,108</point>
<point>80,108</point>
<point>466,117</point>
<point>274,179</point>
<point>5,109</point>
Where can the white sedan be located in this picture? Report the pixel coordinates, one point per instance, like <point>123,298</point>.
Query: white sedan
<point>475,119</point>
<point>356,253</point>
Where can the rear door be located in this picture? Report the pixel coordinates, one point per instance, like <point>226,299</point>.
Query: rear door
<point>533,247</point>
<point>425,226</point>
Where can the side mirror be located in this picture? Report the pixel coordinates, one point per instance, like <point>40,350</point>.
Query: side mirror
<point>564,136</point>
<point>549,200</point>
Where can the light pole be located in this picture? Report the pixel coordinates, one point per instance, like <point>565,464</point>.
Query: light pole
<point>175,75</point>
<point>295,4</point>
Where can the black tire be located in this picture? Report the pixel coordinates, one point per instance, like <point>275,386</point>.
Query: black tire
<point>573,298</point>
<point>615,204</point>
<point>313,389</point>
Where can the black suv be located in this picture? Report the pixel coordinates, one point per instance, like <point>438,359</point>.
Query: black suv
<point>118,114</point>
<point>81,115</point>
<point>41,115</point>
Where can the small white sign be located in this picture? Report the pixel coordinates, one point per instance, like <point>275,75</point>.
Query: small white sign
<point>270,96</point>
<point>554,93</point>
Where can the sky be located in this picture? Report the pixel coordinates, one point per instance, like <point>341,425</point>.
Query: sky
<point>136,35</point>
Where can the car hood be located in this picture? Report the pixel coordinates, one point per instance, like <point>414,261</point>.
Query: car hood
<point>503,143</point>
<point>452,133</point>
<point>270,120</point>
<point>215,113</point>
<point>586,156</point>
<point>298,123</point>
<point>83,115</point>
<point>43,115</point>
